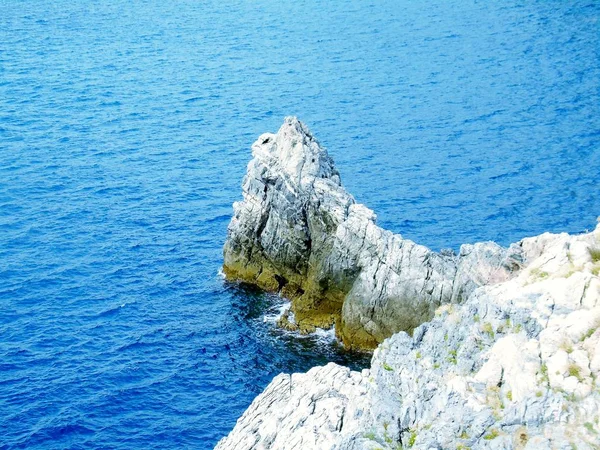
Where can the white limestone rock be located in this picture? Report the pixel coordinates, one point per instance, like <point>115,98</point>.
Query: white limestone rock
<point>306,411</point>
<point>299,231</point>
<point>515,366</point>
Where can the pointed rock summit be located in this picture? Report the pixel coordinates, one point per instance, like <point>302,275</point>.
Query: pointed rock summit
<point>298,232</point>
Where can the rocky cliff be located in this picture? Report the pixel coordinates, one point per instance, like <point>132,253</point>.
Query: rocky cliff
<point>515,366</point>
<point>298,231</point>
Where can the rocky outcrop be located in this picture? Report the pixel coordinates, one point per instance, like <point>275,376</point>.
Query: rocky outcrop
<point>298,231</point>
<point>515,366</point>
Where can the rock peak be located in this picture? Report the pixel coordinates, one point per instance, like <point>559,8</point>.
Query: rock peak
<point>294,151</point>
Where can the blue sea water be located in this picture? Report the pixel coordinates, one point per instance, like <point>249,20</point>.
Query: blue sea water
<point>125,130</point>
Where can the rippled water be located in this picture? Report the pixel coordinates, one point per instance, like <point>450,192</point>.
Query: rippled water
<point>125,130</point>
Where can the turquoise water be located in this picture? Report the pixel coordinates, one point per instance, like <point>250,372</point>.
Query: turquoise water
<point>125,130</point>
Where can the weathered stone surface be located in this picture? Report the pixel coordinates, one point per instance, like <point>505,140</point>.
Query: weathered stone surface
<point>313,407</point>
<point>299,231</point>
<point>515,366</point>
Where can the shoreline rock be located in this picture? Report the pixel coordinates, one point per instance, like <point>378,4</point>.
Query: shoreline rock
<point>515,366</point>
<point>299,232</point>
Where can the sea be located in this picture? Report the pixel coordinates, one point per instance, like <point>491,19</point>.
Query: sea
<point>125,131</point>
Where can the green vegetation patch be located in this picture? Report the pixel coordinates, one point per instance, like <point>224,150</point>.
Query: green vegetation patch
<point>452,358</point>
<point>488,329</point>
<point>492,434</point>
<point>412,438</point>
<point>370,436</point>
<point>544,373</point>
<point>539,274</point>
<point>594,253</point>
<point>575,371</point>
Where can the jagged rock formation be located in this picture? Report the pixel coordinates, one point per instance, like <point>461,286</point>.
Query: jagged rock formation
<point>515,366</point>
<point>298,231</point>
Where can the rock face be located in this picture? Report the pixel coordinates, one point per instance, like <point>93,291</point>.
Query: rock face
<point>515,366</point>
<point>299,232</point>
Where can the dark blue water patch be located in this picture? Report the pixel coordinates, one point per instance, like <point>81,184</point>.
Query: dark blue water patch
<point>125,131</point>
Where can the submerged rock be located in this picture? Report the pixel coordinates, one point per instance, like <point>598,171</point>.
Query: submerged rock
<point>298,231</point>
<point>515,366</point>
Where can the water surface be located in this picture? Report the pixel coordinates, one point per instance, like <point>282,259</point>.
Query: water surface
<point>125,130</point>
